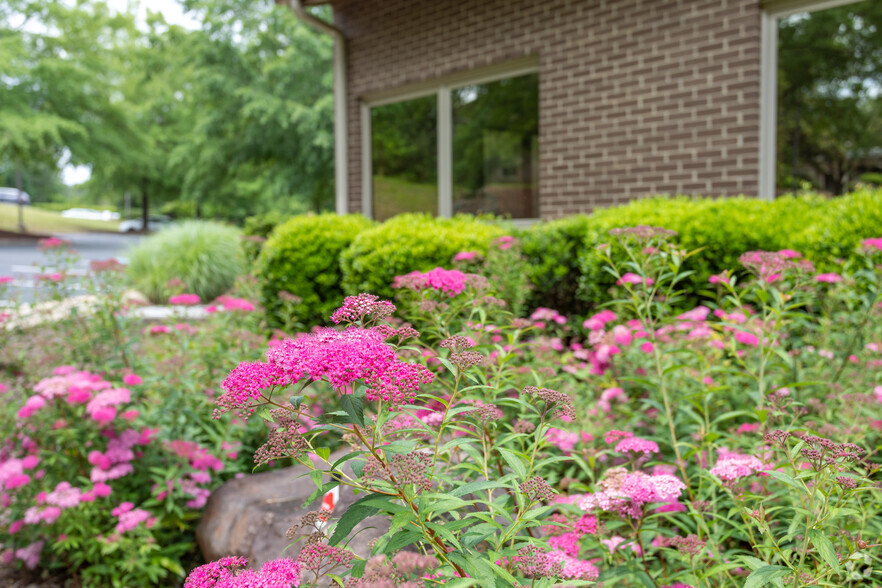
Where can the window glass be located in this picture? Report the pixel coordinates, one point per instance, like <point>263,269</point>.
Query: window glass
<point>404,142</point>
<point>496,147</point>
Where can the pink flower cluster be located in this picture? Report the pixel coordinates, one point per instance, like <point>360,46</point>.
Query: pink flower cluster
<point>185,299</point>
<point>542,316</point>
<point>450,282</point>
<point>129,517</point>
<point>337,357</point>
<point>731,466</point>
<point>627,493</point>
<point>231,303</point>
<point>358,308</point>
<point>230,572</point>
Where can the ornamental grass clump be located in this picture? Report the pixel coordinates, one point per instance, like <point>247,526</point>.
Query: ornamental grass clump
<point>205,258</point>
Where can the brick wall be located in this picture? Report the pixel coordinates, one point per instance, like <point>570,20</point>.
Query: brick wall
<point>636,96</point>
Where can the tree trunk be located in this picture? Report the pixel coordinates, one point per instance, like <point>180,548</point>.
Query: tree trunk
<point>144,207</point>
<point>21,225</point>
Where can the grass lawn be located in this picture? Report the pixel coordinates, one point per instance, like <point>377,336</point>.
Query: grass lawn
<point>46,221</point>
<point>394,196</point>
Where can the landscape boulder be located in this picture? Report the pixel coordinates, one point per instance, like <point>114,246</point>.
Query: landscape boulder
<point>249,516</point>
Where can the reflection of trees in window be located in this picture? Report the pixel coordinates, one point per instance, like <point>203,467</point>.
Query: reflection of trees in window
<point>495,140</point>
<point>404,143</point>
<point>405,140</point>
<point>830,96</point>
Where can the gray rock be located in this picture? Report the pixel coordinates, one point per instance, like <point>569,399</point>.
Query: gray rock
<point>249,516</point>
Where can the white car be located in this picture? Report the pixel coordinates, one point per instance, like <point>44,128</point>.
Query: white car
<point>154,222</point>
<point>10,195</point>
<point>90,214</point>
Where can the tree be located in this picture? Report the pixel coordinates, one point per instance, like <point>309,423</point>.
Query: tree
<point>829,85</point>
<point>262,104</point>
<point>57,91</point>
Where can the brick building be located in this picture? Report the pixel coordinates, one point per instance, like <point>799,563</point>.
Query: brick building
<point>541,108</point>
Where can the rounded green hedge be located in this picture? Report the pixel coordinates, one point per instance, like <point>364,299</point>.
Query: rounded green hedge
<point>207,257</point>
<point>302,256</point>
<point>840,227</point>
<point>410,242</point>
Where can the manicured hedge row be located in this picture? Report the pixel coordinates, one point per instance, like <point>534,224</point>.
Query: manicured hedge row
<point>302,257</point>
<point>322,258</point>
<point>410,242</point>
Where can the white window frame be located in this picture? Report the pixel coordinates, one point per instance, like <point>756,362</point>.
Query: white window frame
<point>773,11</point>
<point>441,88</point>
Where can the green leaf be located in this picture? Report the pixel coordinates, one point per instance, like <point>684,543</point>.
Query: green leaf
<point>358,568</point>
<point>766,574</point>
<point>354,407</point>
<point>825,548</point>
<point>782,477</point>
<point>473,487</point>
<point>357,512</point>
<point>402,539</point>
<point>323,452</point>
<point>514,461</point>
<point>448,365</point>
<point>296,401</point>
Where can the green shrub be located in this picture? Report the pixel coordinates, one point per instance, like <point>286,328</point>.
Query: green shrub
<point>720,230</point>
<point>302,256</point>
<point>207,257</point>
<point>552,250</point>
<point>842,225</point>
<point>410,242</point>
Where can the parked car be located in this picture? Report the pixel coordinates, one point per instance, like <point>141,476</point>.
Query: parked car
<point>154,222</point>
<point>90,214</point>
<point>11,195</point>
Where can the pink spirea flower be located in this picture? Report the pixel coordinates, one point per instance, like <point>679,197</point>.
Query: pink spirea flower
<point>465,256</point>
<point>132,380</point>
<point>31,406</point>
<point>637,445</point>
<point>185,299</point>
<point>746,338</point>
<point>158,329</point>
<point>790,253</point>
<point>230,572</point>
<point>361,307</point>
<point>450,282</point>
<point>108,399</point>
<point>6,279</point>
<point>719,279</point>
<point>505,242</point>
<point>30,555</point>
<point>731,466</point>
<point>239,304</point>
<point>597,321</point>
<point>829,278</point>
<point>632,278</point>
<point>129,517</point>
<point>747,428</point>
<point>341,357</point>
<point>873,243</point>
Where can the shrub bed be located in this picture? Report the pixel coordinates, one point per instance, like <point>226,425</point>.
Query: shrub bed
<point>302,258</point>
<point>410,242</point>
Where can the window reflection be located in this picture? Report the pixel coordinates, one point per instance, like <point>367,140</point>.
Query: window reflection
<point>496,147</point>
<point>404,139</point>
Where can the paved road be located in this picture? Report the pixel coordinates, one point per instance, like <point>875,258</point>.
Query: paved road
<point>16,258</point>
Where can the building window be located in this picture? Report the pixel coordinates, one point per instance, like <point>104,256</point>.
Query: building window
<point>496,147</point>
<point>404,157</point>
<point>468,146</point>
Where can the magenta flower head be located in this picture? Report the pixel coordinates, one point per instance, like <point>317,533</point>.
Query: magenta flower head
<point>449,282</point>
<point>829,278</point>
<point>51,243</point>
<point>873,243</point>
<point>185,299</point>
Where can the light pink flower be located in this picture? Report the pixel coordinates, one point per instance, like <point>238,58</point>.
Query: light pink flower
<point>830,278</point>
